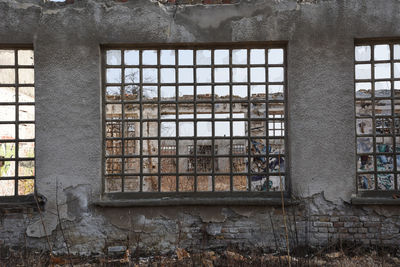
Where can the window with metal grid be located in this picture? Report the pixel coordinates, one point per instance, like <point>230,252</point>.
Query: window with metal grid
<point>194,118</point>
<point>17,122</point>
<point>377,109</point>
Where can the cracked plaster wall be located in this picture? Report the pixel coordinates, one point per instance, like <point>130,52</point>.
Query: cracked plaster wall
<point>66,41</point>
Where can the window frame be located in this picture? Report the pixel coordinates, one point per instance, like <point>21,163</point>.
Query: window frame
<point>16,198</point>
<point>377,193</point>
<point>158,196</point>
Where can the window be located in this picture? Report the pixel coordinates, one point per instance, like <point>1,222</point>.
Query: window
<point>17,122</point>
<point>182,118</point>
<point>377,109</point>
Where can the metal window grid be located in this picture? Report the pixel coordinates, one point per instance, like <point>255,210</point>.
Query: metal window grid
<point>114,167</point>
<point>23,183</point>
<point>377,123</point>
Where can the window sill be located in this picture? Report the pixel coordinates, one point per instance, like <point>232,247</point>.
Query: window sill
<point>374,201</point>
<point>195,201</point>
<point>21,203</point>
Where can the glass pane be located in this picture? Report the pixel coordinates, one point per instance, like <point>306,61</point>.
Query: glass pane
<point>26,113</point>
<point>276,146</point>
<point>27,131</point>
<point>259,183</point>
<point>186,183</point>
<point>7,187</point>
<point>365,163</point>
<point>397,107</point>
<point>113,93</point>
<point>186,75</point>
<point>167,57</point>
<point>132,75</point>
<point>7,113</point>
<point>7,131</point>
<point>396,49</point>
<point>257,74</point>
<point>363,90</point>
<point>221,92</point>
<point>150,165</point>
<point>203,57</point>
<point>7,168</point>
<point>364,145</point>
<point>26,168</point>
<point>363,71</point>
<point>363,53</point>
<point>168,183</point>
<point>275,92</point>
<point>26,76</point>
<point>168,129</point>
<point>185,57</point>
<point>363,108</point>
<point>221,75</point>
<point>132,184</point>
<point>113,165</point>
<point>239,92</point>
<point>383,107</point>
<point>221,57</point>
<point>167,75</point>
<point>131,92</point>
<point>258,92</point>
<point>204,128</point>
<point>239,128</point>
<point>7,94</point>
<point>382,71</point>
<point>113,111</point>
<point>113,184</point>
<point>150,184</point>
<point>396,70</point>
<point>275,163</point>
<point>185,92</point>
<point>381,52</point>
<point>239,56</point>
<point>203,75</point>
<point>366,181</point>
<point>258,147</point>
<point>204,183</point>
<point>383,89</point>
<point>240,183</point>
<point>26,94</point>
<point>385,181</point>
<point>7,150</point>
<point>364,126</point>
<point>150,93</point>
<point>25,57</point>
<point>222,183</point>
<point>167,93</point>
<point>384,163</point>
<point>275,56</point>
<point>113,75</point>
<point>7,57</point>
<point>113,129</point>
<point>168,165</point>
<point>131,57</point>
<point>113,147</point>
<point>132,147</point>
<point>113,57</point>
<point>132,165</point>
<point>26,187</point>
<point>186,128</point>
<point>7,76</point>
<point>383,125</point>
<point>150,75</point>
<point>239,75</point>
<point>257,56</point>
<point>149,57</point>
<point>276,183</point>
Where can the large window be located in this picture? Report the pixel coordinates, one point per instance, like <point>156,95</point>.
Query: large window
<point>377,96</point>
<point>194,118</point>
<point>17,122</point>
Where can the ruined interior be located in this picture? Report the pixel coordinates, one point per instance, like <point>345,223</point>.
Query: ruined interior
<point>198,124</point>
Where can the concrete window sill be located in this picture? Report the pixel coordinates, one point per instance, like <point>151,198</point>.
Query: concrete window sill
<point>21,203</point>
<point>374,201</point>
<point>170,201</point>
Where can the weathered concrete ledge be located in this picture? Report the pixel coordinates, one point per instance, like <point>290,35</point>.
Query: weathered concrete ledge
<point>374,201</point>
<point>196,202</point>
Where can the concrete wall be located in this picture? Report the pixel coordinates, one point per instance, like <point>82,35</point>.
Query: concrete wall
<point>320,35</point>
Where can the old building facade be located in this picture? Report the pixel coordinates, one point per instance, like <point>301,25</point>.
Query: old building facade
<point>165,124</point>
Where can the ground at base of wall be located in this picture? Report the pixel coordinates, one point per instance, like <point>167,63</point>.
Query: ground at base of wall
<point>339,255</point>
